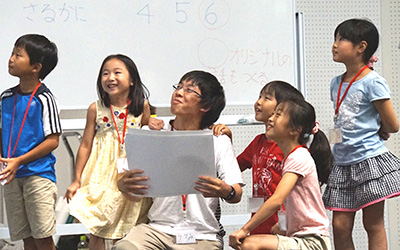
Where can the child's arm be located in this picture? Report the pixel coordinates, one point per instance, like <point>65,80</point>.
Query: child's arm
<point>389,121</point>
<point>146,113</point>
<point>269,207</point>
<point>221,129</point>
<point>84,151</point>
<point>48,145</point>
<point>153,123</point>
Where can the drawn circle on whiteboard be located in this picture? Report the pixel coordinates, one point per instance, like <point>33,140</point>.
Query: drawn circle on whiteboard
<point>214,14</point>
<point>212,53</point>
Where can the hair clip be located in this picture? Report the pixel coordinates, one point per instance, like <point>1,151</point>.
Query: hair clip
<point>316,128</point>
<point>372,60</point>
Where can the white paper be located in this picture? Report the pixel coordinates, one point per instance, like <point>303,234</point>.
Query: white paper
<point>173,160</point>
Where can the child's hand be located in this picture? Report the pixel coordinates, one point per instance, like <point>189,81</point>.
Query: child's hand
<point>71,190</point>
<point>156,124</point>
<point>384,135</point>
<point>236,238</point>
<point>221,129</point>
<point>275,230</point>
<point>10,170</point>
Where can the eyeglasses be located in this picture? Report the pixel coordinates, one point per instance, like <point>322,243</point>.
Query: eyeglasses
<point>186,89</point>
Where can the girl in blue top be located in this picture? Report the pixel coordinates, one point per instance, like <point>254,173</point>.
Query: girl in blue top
<point>364,173</point>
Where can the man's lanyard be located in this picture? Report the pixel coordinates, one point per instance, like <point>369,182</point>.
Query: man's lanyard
<point>23,121</point>
<point>184,196</point>
<point>338,100</point>
<point>121,140</point>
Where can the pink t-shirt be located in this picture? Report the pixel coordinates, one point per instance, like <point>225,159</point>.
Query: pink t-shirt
<point>305,211</point>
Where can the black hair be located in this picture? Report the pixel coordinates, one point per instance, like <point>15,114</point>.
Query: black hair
<point>281,90</point>
<point>40,50</point>
<point>212,95</point>
<point>358,30</point>
<point>302,116</point>
<point>137,92</point>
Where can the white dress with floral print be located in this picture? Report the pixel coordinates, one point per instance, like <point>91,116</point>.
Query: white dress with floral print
<point>98,203</point>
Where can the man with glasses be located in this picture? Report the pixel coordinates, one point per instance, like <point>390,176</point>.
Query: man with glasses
<point>197,103</point>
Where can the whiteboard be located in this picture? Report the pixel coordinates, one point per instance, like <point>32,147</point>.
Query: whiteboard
<point>244,44</point>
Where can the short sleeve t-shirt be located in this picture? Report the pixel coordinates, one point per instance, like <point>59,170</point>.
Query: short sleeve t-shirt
<point>358,118</point>
<point>305,210</point>
<point>42,120</point>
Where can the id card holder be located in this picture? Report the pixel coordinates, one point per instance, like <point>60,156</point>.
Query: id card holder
<point>282,220</point>
<point>3,165</point>
<point>335,135</point>
<point>122,165</point>
<point>254,203</point>
<point>185,236</point>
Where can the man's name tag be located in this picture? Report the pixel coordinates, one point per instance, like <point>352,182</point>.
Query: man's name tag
<point>122,165</point>
<point>185,236</point>
<point>254,203</point>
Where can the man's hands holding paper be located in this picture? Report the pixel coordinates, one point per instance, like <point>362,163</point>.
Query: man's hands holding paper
<point>129,186</point>
<point>208,186</point>
<point>215,187</point>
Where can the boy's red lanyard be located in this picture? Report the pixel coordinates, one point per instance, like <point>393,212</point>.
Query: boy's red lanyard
<point>339,101</point>
<point>184,196</point>
<point>255,177</point>
<point>23,121</point>
<point>121,140</point>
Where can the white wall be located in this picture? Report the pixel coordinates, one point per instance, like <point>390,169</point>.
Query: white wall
<point>321,18</point>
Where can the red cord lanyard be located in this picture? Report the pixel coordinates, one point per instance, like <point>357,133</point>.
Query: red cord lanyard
<point>121,140</point>
<point>184,196</point>
<point>339,101</point>
<point>23,121</point>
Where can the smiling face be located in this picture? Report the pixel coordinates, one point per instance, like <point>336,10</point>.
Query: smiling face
<point>185,102</point>
<point>264,107</point>
<point>278,128</point>
<point>115,79</point>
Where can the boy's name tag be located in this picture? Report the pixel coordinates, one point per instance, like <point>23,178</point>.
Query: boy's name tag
<point>254,203</point>
<point>185,236</point>
<point>335,135</point>
<point>122,165</point>
<point>3,165</point>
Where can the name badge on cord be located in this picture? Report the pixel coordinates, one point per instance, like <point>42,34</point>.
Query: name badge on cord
<point>335,135</point>
<point>282,220</point>
<point>254,203</point>
<point>122,165</point>
<point>185,236</point>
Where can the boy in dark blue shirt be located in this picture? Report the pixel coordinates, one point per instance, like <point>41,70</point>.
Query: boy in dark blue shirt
<point>30,132</point>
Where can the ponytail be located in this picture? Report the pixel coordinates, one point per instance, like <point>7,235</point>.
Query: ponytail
<point>302,115</point>
<point>321,153</point>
